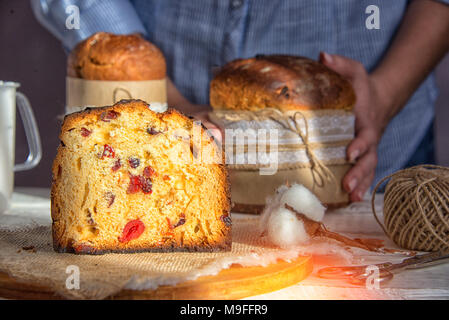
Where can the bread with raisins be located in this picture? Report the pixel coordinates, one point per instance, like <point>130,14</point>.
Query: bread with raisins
<point>127,179</point>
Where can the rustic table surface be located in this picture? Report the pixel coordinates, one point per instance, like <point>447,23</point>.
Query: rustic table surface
<point>355,221</point>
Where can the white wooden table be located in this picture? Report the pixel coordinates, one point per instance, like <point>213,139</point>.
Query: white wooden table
<point>33,205</point>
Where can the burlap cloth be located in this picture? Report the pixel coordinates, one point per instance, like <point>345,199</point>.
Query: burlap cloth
<point>102,276</point>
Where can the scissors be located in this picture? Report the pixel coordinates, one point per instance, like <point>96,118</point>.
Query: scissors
<point>359,275</point>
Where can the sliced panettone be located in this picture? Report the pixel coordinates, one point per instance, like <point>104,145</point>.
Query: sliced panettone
<point>127,179</point>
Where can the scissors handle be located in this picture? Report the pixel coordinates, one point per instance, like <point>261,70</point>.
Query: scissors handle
<point>350,272</point>
<point>338,272</point>
<point>362,280</point>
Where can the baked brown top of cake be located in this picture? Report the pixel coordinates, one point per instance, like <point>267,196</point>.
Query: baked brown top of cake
<point>282,82</point>
<point>106,56</point>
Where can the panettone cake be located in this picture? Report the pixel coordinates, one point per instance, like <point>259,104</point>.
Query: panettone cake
<point>127,179</point>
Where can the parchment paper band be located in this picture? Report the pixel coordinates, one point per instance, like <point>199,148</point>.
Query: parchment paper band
<point>291,147</point>
<point>286,166</point>
<point>316,159</point>
<point>250,188</point>
<point>81,92</point>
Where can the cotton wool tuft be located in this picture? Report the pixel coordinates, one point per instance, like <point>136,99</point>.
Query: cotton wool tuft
<point>304,201</point>
<point>280,224</point>
<point>285,230</point>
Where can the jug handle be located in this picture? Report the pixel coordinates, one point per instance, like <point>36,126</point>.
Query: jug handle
<point>31,132</point>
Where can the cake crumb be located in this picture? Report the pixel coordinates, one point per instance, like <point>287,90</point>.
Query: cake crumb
<point>29,248</point>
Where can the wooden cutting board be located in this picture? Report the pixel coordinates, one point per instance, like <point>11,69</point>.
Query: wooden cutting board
<point>234,283</point>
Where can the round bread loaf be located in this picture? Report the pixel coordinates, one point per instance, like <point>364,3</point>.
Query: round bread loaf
<point>282,82</point>
<point>106,56</point>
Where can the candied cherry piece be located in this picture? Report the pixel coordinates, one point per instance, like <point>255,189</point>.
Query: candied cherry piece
<point>107,116</point>
<point>133,162</point>
<point>85,132</point>
<point>147,185</point>
<point>108,152</point>
<point>117,165</point>
<point>132,230</point>
<point>148,172</point>
<point>134,184</point>
<point>139,183</point>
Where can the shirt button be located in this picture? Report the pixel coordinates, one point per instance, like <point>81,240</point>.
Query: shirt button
<point>235,4</point>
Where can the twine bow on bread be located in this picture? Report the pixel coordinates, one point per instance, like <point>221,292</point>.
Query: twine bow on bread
<point>320,172</point>
<point>116,91</point>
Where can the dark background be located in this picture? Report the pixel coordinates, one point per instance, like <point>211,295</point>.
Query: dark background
<point>32,56</point>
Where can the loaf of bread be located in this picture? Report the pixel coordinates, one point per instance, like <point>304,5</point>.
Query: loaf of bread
<point>282,82</point>
<point>244,89</point>
<point>127,179</point>
<point>106,56</point>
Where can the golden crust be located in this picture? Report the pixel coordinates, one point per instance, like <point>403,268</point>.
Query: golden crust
<point>72,204</point>
<point>280,81</point>
<point>105,56</point>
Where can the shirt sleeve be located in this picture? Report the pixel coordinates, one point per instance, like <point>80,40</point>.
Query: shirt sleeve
<point>59,17</point>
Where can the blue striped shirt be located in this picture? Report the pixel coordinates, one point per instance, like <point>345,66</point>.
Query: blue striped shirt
<point>198,35</point>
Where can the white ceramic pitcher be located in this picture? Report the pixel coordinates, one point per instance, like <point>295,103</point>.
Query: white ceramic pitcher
<point>8,99</point>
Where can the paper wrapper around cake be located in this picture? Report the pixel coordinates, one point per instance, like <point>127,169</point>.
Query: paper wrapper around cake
<point>106,68</point>
<point>329,133</point>
<point>81,93</point>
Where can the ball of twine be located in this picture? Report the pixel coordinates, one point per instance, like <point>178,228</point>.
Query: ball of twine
<point>416,208</point>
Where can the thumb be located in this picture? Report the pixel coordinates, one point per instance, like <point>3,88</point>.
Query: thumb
<point>346,67</point>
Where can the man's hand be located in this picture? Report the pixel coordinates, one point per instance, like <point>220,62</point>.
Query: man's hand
<point>420,43</point>
<point>371,121</point>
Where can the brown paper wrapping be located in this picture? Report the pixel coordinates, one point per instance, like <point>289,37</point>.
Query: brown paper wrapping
<point>249,189</point>
<point>81,92</point>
